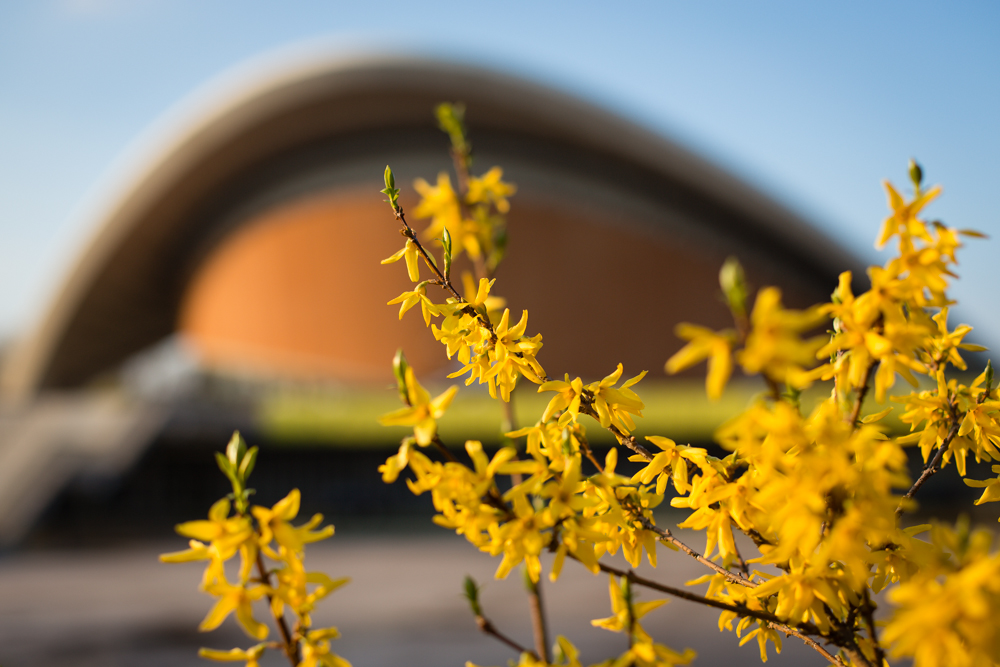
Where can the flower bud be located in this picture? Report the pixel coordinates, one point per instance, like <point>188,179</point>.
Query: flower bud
<point>399,366</point>
<point>446,243</point>
<point>236,449</point>
<point>916,174</point>
<point>390,189</point>
<point>734,286</point>
<point>472,595</point>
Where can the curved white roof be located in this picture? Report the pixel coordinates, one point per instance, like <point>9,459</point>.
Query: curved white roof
<point>122,293</point>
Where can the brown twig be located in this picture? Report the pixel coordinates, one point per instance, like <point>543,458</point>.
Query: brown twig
<point>868,613</point>
<point>585,447</point>
<point>773,387</point>
<point>622,437</point>
<point>630,613</point>
<point>290,648</point>
<point>538,625</point>
<point>407,231</point>
<point>488,628</point>
<point>694,597</point>
<point>442,280</point>
<point>666,536</point>
<point>496,501</point>
<point>811,643</point>
<point>932,467</point>
<point>631,442</point>
<point>754,535</point>
<point>739,559</point>
<point>445,452</point>
<point>509,423</point>
<point>856,655</point>
<point>801,632</point>
<point>860,398</point>
<point>461,162</point>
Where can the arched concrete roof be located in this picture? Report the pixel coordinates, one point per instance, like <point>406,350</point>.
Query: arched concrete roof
<point>123,291</point>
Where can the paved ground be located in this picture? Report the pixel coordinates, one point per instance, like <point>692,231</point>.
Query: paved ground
<point>121,607</point>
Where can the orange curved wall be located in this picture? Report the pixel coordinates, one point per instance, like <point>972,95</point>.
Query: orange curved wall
<point>299,291</point>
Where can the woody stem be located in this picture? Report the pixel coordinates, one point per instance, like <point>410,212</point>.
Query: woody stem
<point>694,597</point>
<point>412,236</point>
<point>773,388</point>
<point>585,447</point>
<point>291,647</point>
<point>868,612</point>
<point>769,619</point>
<point>442,280</point>
<point>445,452</point>
<point>508,424</point>
<point>666,536</point>
<point>622,437</point>
<point>739,559</point>
<point>932,467</point>
<point>538,620</point>
<point>860,399</point>
<point>488,628</point>
<point>461,161</point>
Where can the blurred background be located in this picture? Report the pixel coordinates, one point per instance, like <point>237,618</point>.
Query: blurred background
<point>190,230</point>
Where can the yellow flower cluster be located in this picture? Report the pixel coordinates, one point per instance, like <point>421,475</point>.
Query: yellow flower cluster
<point>818,491</point>
<point>947,611</point>
<point>491,349</point>
<point>772,347</point>
<point>553,507</point>
<point>626,612</point>
<point>474,221</point>
<point>234,528</point>
<point>546,503</point>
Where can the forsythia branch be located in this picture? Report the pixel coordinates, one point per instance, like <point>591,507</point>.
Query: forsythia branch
<point>289,646</point>
<point>931,468</point>
<point>815,487</point>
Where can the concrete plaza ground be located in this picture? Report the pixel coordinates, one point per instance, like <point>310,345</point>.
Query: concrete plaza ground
<point>121,607</point>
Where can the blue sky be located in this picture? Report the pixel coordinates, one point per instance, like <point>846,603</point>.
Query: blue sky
<point>815,103</point>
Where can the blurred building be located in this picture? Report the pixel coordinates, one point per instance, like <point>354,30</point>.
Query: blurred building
<point>235,281</point>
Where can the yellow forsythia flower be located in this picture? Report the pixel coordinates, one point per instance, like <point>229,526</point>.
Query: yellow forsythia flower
<point>773,346</point>
<point>705,344</point>
<point>251,655</point>
<point>274,525</point>
<point>422,413</point>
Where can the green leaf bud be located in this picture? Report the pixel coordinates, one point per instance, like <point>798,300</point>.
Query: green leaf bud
<point>390,189</point>
<point>236,449</point>
<point>399,366</point>
<point>471,593</point>
<point>626,585</point>
<point>793,395</point>
<point>451,119</point>
<point>446,243</point>
<point>733,281</point>
<point>247,464</point>
<point>916,174</point>
<point>224,465</point>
